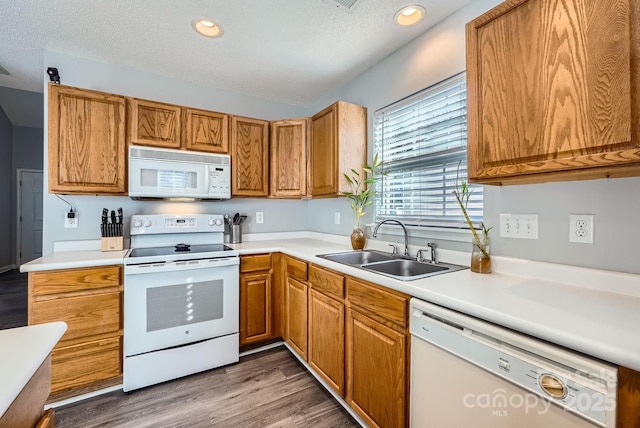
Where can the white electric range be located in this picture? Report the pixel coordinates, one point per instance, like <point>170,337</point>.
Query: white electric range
<point>181,293</point>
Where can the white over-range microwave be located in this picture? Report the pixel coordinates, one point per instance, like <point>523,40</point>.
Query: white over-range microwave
<point>176,174</point>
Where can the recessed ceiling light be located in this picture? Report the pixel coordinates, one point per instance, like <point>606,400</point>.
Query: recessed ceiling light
<point>409,15</point>
<point>207,28</point>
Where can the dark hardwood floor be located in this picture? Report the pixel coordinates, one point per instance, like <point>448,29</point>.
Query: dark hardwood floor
<point>268,389</point>
<point>13,299</point>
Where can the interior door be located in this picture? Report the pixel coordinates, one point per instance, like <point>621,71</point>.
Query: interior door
<point>29,216</point>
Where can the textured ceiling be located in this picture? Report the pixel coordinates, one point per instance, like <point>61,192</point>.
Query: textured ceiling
<point>291,51</point>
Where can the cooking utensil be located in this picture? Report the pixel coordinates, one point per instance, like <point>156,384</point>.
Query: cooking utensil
<point>242,219</point>
<point>236,217</point>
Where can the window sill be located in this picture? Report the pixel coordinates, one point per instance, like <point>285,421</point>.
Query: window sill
<point>430,232</point>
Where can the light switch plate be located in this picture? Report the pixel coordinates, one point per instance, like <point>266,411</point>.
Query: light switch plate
<point>336,217</point>
<point>520,226</point>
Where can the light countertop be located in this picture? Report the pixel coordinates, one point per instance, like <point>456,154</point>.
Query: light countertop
<point>591,311</point>
<point>23,351</point>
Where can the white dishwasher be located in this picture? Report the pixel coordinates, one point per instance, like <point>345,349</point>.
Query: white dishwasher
<point>469,373</point>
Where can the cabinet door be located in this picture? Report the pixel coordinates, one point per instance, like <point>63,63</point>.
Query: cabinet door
<point>552,91</point>
<point>249,157</point>
<point>86,138</point>
<point>323,153</point>
<point>376,371</point>
<point>154,124</point>
<point>255,307</point>
<point>326,339</point>
<point>206,131</point>
<point>289,158</point>
<point>296,330</point>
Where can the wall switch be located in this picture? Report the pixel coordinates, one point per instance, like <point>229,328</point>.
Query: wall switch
<point>71,220</point>
<point>521,226</point>
<point>259,217</point>
<point>336,217</point>
<point>581,228</point>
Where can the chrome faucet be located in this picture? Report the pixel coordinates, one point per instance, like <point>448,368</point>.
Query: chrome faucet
<point>432,247</point>
<point>398,222</point>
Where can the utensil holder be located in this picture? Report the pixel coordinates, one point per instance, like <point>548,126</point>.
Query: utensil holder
<point>113,243</point>
<point>235,233</point>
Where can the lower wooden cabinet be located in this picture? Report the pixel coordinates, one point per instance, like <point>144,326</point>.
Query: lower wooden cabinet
<point>89,300</point>
<point>255,301</point>
<point>326,339</point>
<point>376,371</point>
<point>296,317</point>
<point>256,313</point>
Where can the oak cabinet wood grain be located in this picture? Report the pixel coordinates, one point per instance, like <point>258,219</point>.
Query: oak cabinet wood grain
<point>328,282</point>
<point>26,410</point>
<point>326,339</point>
<point>89,300</point>
<point>376,371</point>
<point>255,304</point>
<point>152,123</point>
<point>628,406</point>
<point>249,157</point>
<point>553,91</point>
<point>256,300</point>
<point>205,131</point>
<point>338,143</point>
<point>288,158</point>
<point>296,318</point>
<point>86,141</point>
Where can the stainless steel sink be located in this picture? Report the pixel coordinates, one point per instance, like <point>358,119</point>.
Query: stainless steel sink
<point>398,267</point>
<point>356,258</point>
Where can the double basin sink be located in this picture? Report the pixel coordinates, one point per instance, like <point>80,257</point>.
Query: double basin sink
<point>394,266</point>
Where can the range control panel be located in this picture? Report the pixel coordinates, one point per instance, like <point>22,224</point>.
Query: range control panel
<point>178,223</point>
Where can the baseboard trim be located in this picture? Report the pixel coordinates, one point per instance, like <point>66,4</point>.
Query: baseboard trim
<point>7,268</point>
<point>82,397</point>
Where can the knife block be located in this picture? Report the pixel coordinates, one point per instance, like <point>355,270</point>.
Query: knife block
<point>113,243</point>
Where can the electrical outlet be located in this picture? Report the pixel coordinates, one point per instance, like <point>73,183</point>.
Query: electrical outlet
<point>259,217</point>
<point>581,228</point>
<point>336,217</point>
<point>521,226</point>
<point>71,220</point>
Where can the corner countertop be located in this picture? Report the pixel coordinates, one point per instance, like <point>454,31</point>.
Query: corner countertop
<point>591,311</point>
<point>23,351</point>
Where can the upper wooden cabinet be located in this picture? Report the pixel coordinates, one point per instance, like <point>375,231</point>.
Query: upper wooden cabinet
<point>289,158</point>
<point>86,138</point>
<point>249,157</point>
<point>206,131</point>
<point>154,124</point>
<point>553,91</point>
<point>170,126</point>
<point>338,143</point>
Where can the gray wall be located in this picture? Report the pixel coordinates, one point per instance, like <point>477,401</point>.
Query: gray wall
<point>279,215</point>
<point>440,53</point>
<point>6,213</point>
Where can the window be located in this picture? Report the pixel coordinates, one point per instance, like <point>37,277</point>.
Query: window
<point>422,140</point>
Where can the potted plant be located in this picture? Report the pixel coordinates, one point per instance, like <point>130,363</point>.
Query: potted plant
<point>480,254</point>
<point>362,192</point>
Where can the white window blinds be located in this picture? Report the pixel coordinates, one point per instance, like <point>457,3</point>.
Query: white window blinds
<point>423,143</point>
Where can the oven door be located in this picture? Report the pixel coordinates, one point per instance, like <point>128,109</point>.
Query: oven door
<point>174,303</point>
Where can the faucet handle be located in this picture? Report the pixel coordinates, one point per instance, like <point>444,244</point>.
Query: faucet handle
<point>394,250</point>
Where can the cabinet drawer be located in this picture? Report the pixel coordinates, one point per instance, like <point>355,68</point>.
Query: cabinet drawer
<point>327,282</point>
<point>72,280</point>
<point>255,263</point>
<point>84,364</point>
<point>85,315</point>
<point>378,303</point>
<point>297,269</point>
